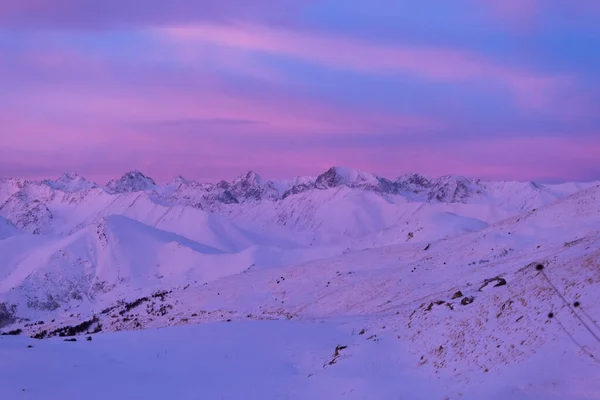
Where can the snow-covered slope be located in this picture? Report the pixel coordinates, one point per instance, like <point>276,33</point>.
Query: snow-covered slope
<point>466,317</point>
<point>113,258</point>
<point>7,229</point>
<point>340,211</point>
<point>271,360</point>
<point>430,287</point>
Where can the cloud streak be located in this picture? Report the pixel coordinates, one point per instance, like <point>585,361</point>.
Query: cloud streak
<point>531,90</point>
<point>128,14</point>
<point>210,89</point>
<point>526,14</point>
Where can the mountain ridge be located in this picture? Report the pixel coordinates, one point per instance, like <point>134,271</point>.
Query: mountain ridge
<point>252,187</point>
<point>444,275</point>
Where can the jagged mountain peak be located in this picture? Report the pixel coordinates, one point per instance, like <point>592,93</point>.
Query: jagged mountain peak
<point>136,174</point>
<point>250,177</point>
<point>454,189</point>
<point>251,186</point>
<point>337,176</point>
<point>353,178</point>
<point>71,182</point>
<point>70,176</point>
<point>456,178</point>
<point>132,181</point>
<point>414,181</point>
<point>181,179</point>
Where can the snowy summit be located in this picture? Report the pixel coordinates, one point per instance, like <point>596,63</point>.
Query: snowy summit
<point>432,284</point>
<point>133,181</point>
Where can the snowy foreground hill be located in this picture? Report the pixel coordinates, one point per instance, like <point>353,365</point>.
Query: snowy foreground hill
<point>346,285</point>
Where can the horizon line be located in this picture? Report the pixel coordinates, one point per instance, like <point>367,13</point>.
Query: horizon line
<point>238,176</point>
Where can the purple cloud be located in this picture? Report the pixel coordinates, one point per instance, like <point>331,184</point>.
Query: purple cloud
<point>213,88</point>
<point>109,14</point>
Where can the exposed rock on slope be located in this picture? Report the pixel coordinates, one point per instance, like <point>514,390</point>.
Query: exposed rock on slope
<point>71,182</point>
<point>133,181</point>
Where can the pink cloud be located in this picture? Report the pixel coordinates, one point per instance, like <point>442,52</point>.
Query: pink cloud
<point>102,152</point>
<point>281,115</point>
<point>100,126</point>
<point>89,126</point>
<point>89,88</point>
<point>515,158</point>
<point>530,90</point>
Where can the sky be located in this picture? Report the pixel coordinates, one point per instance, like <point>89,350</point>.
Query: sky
<point>210,89</point>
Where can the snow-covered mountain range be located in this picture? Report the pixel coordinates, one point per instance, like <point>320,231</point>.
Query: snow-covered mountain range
<point>43,206</point>
<point>445,267</point>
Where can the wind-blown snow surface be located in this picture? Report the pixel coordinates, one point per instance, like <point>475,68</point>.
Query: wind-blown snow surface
<point>7,229</point>
<point>262,360</point>
<point>428,286</point>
